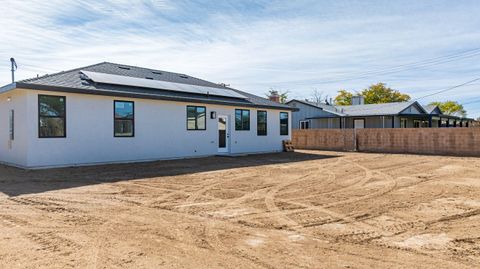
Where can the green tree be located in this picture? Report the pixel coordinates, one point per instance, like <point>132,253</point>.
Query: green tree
<point>344,98</point>
<point>451,108</point>
<point>375,94</point>
<point>379,94</point>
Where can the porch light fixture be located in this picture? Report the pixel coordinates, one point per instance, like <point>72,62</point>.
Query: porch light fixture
<point>213,114</point>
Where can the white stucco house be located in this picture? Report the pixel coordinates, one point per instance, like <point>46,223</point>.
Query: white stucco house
<point>106,113</point>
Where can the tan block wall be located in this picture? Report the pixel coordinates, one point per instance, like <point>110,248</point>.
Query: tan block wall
<point>325,139</point>
<point>437,141</point>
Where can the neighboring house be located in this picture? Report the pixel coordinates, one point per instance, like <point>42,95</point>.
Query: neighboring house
<point>358,115</point>
<point>109,112</point>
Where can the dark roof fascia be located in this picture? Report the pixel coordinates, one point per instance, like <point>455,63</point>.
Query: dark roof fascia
<point>8,87</point>
<point>314,106</point>
<point>418,105</point>
<point>303,102</point>
<point>141,96</point>
<point>439,110</point>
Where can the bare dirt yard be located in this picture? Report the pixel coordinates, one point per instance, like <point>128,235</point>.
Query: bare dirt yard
<point>308,209</point>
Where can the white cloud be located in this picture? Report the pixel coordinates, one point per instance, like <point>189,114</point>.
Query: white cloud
<point>286,45</point>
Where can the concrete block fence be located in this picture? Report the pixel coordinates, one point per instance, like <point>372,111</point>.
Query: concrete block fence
<point>434,141</point>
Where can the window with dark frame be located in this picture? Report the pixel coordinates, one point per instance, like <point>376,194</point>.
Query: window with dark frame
<point>124,118</point>
<point>51,116</point>
<point>242,119</point>
<point>304,124</point>
<point>283,123</point>
<point>261,123</point>
<point>403,123</point>
<point>196,118</point>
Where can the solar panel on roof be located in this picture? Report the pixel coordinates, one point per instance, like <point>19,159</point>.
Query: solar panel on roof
<point>158,84</point>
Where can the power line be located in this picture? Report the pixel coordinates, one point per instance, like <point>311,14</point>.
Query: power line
<point>399,68</point>
<point>424,63</point>
<point>471,102</point>
<point>448,89</point>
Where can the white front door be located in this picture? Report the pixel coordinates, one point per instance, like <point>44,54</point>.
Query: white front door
<point>223,134</point>
<point>359,124</point>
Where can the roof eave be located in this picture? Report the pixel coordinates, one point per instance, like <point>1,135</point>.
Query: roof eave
<point>8,87</point>
<point>142,96</point>
<point>305,103</point>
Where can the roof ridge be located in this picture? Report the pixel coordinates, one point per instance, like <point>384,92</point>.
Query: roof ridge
<point>176,73</point>
<point>59,73</point>
<point>140,67</point>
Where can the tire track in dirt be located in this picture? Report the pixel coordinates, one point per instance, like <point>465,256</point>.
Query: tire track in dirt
<point>367,232</point>
<point>279,214</point>
<point>41,204</point>
<point>11,221</point>
<point>50,242</point>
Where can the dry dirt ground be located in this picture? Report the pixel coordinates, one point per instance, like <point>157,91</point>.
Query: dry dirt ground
<point>308,209</point>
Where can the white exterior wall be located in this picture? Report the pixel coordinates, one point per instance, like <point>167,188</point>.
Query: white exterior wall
<point>160,132</point>
<point>14,152</point>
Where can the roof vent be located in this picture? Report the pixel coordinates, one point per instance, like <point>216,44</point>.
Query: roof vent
<point>156,72</point>
<point>224,85</point>
<point>183,76</point>
<point>148,78</point>
<point>124,67</point>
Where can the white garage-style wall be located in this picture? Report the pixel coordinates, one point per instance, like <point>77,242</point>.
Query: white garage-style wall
<point>160,132</point>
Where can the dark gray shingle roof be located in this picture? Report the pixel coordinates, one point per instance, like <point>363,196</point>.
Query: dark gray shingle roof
<point>70,81</point>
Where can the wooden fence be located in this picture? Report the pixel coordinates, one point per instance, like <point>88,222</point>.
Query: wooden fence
<point>436,141</point>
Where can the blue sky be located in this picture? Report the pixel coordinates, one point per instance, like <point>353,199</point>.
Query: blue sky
<point>417,47</point>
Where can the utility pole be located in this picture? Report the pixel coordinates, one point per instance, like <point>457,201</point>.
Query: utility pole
<point>14,67</point>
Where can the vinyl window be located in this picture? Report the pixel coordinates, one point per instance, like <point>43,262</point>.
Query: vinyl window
<point>304,124</point>
<point>196,118</point>
<point>261,123</point>
<point>124,119</point>
<point>51,116</point>
<point>242,120</point>
<point>283,123</point>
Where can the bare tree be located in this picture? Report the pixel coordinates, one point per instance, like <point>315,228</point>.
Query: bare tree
<point>317,96</point>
